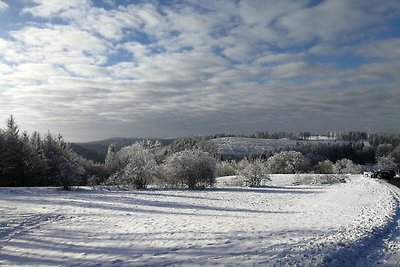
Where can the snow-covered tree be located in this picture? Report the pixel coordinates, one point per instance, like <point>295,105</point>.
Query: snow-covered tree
<point>62,169</point>
<point>384,150</point>
<point>254,172</point>
<point>111,162</point>
<point>386,163</point>
<point>225,168</point>
<point>396,156</point>
<point>346,166</point>
<point>324,167</point>
<point>287,162</point>
<point>140,167</point>
<point>190,168</point>
<point>3,158</point>
<point>13,162</point>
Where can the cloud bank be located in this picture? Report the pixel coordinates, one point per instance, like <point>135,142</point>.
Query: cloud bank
<point>96,69</point>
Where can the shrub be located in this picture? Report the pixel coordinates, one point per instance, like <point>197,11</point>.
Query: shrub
<point>319,179</point>
<point>253,172</point>
<point>324,167</point>
<point>70,174</point>
<point>190,168</point>
<point>225,168</point>
<point>140,167</point>
<point>386,163</point>
<point>346,166</point>
<point>287,162</point>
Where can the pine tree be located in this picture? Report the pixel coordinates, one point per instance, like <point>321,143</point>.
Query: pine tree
<point>13,155</point>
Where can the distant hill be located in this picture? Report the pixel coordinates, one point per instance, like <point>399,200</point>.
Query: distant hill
<point>97,150</point>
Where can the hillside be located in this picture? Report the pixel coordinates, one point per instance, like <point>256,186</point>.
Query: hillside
<point>97,150</point>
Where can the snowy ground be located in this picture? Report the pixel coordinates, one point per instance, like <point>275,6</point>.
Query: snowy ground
<point>351,224</point>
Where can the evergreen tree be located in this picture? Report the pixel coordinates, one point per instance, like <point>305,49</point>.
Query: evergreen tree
<point>12,156</point>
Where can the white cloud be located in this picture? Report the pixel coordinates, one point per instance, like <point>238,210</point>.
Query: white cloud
<point>57,44</point>
<point>385,49</point>
<point>44,8</point>
<point>86,70</point>
<point>3,6</point>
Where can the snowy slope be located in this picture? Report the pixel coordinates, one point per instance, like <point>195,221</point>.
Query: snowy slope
<point>351,224</point>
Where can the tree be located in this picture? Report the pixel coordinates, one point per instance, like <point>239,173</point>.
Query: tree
<point>287,162</point>
<point>190,168</point>
<point>225,168</point>
<point>253,172</point>
<point>386,163</point>
<point>13,163</point>
<point>140,169</point>
<point>346,166</point>
<point>188,143</point>
<point>62,169</point>
<point>111,162</point>
<point>396,156</point>
<point>3,158</point>
<point>324,167</point>
<point>384,150</point>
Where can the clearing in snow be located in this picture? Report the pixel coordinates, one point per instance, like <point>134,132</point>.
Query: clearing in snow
<point>350,224</point>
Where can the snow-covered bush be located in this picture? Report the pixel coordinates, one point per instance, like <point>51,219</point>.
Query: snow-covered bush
<point>190,168</point>
<point>346,166</point>
<point>225,168</point>
<point>324,167</point>
<point>140,167</point>
<point>70,174</point>
<point>287,162</point>
<point>253,173</point>
<point>386,163</point>
<point>319,179</point>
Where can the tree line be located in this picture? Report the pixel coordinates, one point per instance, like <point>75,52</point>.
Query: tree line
<point>189,162</point>
<point>33,160</point>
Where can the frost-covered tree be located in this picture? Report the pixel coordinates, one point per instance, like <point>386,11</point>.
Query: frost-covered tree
<point>3,158</point>
<point>384,150</point>
<point>62,170</point>
<point>225,168</point>
<point>346,166</point>
<point>111,162</point>
<point>386,163</point>
<point>188,143</point>
<point>254,172</point>
<point>13,162</point>
<point>34,161</point>
<point>324,167</point>
<point>287,162</point>
<point>190,168</point>
<point>395,154</point>
<point>139,167</point>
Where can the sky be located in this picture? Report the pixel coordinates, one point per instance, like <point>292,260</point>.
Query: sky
<point>97,69</point>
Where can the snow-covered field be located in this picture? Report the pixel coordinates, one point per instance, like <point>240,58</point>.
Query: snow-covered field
<point>350,224</point>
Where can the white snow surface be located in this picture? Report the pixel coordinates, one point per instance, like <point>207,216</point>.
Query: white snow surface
<point>349,224</point>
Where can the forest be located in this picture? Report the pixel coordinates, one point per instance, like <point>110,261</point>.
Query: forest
<point>189,162</point>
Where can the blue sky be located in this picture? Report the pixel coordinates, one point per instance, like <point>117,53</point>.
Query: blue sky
<point>98,69</point>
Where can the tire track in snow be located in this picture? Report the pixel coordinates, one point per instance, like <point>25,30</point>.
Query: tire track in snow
<point>15,227</point>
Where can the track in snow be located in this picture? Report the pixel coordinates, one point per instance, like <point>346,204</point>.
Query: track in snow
<point>25,223</point>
